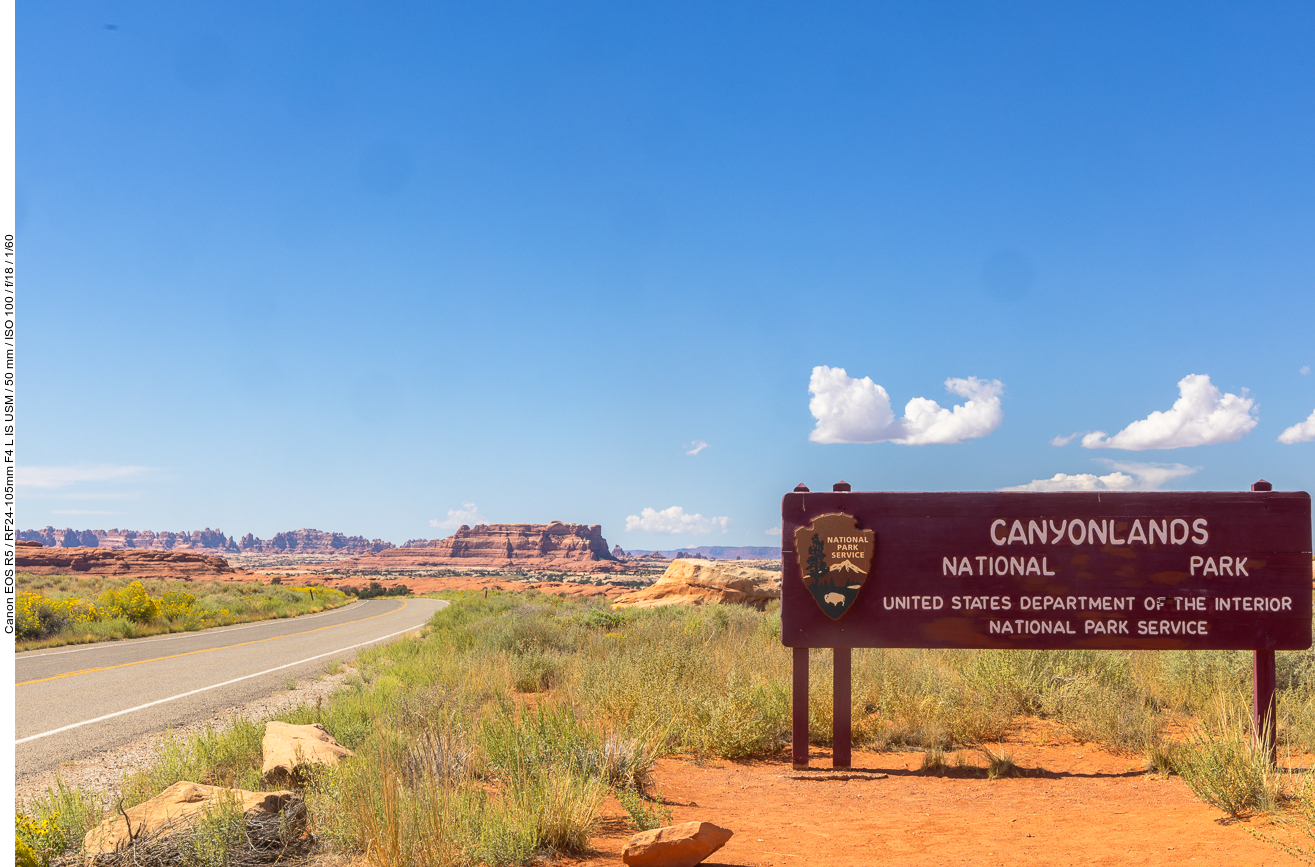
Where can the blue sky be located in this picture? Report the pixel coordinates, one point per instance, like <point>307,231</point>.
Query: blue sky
<point>369,267</point>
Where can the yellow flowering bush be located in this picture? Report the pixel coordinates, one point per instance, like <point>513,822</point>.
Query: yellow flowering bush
<point>176,605</point>
<point>79,612</point>
<point>131,610</point>
<point>132,602</point>
<point>28,615</point>
<point>38,617</point>
<point>36,842</point>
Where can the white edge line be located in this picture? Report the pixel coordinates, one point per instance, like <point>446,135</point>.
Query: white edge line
<point>214,630</point>
<point>213,686</point>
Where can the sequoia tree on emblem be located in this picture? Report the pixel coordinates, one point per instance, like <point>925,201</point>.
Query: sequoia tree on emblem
<point>835,559</point>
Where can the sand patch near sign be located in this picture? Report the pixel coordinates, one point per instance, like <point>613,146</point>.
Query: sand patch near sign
<point>1076,805</point>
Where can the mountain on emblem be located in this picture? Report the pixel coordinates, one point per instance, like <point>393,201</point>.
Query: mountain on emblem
<point>835,559</point>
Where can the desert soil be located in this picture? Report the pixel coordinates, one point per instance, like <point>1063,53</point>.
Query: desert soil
<point>1074,804</point>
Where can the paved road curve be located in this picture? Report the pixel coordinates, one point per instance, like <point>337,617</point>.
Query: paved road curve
<point>72,702</point>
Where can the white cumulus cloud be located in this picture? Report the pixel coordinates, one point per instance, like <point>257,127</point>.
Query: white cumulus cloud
<point>1305,370</point>
<point>1078,482</point>
<point>60,477</point>
<point>1063,441</point>
<point>1127,476</point>
<point>695,447</point>
<point>674,521</point>
<point>852,410</point>
<point>1201,416</point>
<point>468,514</point>
<point>772,531</point>
<point>1301,432</point>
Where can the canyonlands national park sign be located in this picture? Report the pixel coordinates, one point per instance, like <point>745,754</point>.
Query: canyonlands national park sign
<point>1203,571</point>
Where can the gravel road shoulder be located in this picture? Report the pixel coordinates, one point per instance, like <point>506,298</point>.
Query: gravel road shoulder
<point>105,772</point>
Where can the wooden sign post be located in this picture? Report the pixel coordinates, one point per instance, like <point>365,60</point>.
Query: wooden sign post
<point>1115,571</point>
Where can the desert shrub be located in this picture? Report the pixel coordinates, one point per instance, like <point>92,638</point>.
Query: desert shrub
<point>177,605</point>
<point>744,719</point>
<point>528,630</point>
<point>1228,767</point>
<point>37,841</point>
<point>605,619</point>
<point>374,590</point>
<point>532,671</point>
<point>227,756</point>
<point>54,822</point>
<point>917,699</point>
<point>645,814</point>
<point>1300,819</point>
<point>562,809</point>
<point>131,602</point>
<point>625,763</point>
<point>1110,714</point>
<point>999,763</point>
<point>36,616</point>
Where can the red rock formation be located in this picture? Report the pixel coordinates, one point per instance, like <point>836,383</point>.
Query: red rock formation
<point>312,542</point>
<point>211,541</point>
<point>196,540</point>
<point>571,547</point>
<point>40,560</point>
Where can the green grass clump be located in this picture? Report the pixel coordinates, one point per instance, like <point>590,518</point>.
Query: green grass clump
<point>933,761</point>
<point>54,823</point>
<point>999,763</point>
<point>1228,767</point>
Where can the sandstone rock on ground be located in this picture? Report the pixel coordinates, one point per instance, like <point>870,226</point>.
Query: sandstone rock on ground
<point>121,563</point>
<point>683,845</point>
<point>696,582</point>
<point>182,805</point>
<point>289,747</point>
<point>552,546</point>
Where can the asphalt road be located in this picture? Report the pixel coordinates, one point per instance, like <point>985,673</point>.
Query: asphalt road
<point>72,702</point>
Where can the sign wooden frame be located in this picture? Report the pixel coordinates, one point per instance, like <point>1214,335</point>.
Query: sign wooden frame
<point>1195,570</point>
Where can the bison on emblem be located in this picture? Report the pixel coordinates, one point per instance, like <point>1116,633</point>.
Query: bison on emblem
<point>835,559</point>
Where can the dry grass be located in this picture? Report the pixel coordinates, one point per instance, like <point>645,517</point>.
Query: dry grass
<point>494,738</point>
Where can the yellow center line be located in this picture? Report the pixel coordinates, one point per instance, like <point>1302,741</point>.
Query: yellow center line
<point>208,649</point>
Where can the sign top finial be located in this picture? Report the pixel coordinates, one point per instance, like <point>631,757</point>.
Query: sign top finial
<point>1261,485</point>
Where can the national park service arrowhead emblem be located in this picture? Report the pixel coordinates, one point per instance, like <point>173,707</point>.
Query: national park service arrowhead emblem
<point>835,559</point>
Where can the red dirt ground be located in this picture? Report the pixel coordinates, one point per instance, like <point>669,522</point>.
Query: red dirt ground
<point>1075,805</point>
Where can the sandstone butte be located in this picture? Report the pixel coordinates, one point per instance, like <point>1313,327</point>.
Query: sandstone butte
<point>34,558</point>
<point>553,547</point>
<point>698,582</point>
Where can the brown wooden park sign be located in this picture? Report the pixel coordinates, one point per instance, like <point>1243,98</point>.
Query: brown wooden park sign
<point>1042,571</point>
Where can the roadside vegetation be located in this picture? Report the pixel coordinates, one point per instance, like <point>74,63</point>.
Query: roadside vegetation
<point>52,610</point>
<point>498,735</point>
